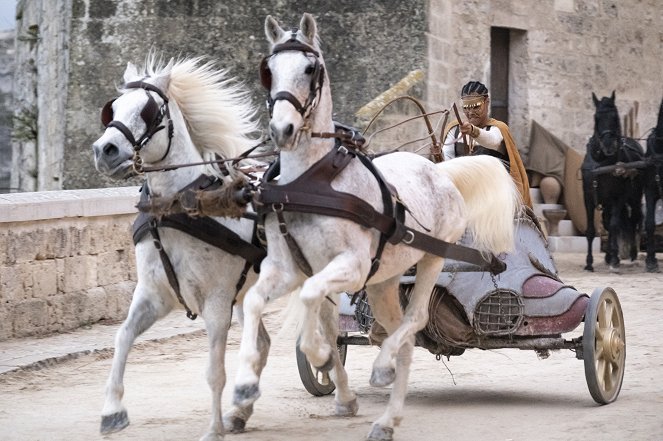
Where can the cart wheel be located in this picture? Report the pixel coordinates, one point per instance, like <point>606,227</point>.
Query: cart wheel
<point>315,382</point>
<point>604,346</point>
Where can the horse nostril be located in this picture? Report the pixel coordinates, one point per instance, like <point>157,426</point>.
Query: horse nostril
<point>110,149</point>
<point>288,130</point>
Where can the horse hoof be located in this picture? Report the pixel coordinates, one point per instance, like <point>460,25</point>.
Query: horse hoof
<point>379,433</point>
<point>246,395</point>
<point>212,437</point>
<point>348,409</point>
<point>234,424</point>
<point>114,422</point>
<point>652,267</point>
<point>382,377</point>
<point>589,268</point>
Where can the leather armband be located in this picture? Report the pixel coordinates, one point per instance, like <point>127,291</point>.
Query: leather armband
<point>474,132</point>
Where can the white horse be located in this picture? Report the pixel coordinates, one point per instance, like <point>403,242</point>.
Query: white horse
<point>210,115</point>
<point>442,201</point>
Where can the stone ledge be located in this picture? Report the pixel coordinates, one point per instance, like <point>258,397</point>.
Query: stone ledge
<point>22,207</point>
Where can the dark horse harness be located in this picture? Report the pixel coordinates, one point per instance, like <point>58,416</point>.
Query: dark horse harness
<point>312,193</point>
<point>205,229</point>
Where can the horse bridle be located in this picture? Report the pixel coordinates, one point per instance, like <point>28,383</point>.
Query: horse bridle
<point>152,114</point>
<point>317,77</point>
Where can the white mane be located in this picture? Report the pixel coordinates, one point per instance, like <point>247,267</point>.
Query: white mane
<point>217,109</point>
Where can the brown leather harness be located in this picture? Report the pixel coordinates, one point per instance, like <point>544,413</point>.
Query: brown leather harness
<point>205,229</point>
<point>312,193</point>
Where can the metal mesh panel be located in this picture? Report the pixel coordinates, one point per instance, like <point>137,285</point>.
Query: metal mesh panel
<point>363,312</point>
<point>499,313</point>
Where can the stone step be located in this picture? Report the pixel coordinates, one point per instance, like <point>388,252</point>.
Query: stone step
<point>538,208</point>
<point>572,244</point>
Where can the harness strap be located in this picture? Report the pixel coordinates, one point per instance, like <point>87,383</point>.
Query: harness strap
<point>295,249</point>
<point>205,229</point>
<point>168,267</point>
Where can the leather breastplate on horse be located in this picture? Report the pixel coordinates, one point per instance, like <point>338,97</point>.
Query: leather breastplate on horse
<point>312,193</point>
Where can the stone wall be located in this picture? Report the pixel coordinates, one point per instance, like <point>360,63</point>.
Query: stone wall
<point>73,52</point>
<point>368,47</point>
<point>66,259</point>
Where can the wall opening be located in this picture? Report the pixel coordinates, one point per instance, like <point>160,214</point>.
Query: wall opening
<point>499,73</point>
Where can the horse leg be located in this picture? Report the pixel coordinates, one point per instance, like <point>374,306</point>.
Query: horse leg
<point>400,344</point>
<point>146,308</point>
<point>635,228</point>
<point>344,397</point>
<point>650,226</point>
<point>614,224</point>
<point>590,233</point>
<point>343,273</point>
<point>271,284</point>
<point>235,419</point>
<point>217,323</point>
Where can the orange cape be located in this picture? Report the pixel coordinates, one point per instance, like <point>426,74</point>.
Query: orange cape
<point>517,169</point>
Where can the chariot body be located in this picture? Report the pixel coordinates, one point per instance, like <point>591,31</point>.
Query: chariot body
<point>526,307</point>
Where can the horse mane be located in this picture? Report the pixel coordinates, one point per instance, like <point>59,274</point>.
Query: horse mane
<point>220,117</point>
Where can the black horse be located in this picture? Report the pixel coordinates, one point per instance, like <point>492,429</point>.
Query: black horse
<point>615,189</point>
<point>653,187</point>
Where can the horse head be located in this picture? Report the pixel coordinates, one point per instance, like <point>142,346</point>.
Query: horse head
<point>184,112</point>
<point>296,80</point>
<point>607,137</point>
<point>134,124</point>
<point>655,139</point>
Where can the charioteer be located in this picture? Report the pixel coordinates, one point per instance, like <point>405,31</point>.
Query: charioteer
<point>483,135</point>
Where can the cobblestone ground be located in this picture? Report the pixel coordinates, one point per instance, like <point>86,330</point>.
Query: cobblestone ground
<point>481,395</point>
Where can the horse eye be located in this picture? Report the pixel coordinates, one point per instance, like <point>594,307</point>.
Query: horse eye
<point>309,70</point>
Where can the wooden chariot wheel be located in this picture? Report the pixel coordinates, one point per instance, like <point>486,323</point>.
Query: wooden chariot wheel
<point>604,346</point>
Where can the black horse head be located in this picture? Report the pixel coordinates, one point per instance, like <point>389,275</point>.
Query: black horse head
<point>655,139</point>
<point>607,138</point>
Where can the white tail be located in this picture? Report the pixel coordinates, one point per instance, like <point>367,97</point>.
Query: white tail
<point>491,199</point>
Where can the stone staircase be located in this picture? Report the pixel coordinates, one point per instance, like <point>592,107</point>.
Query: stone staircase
<point>563,237</point>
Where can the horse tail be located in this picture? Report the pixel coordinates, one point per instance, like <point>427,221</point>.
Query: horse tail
<point>292,316</point>
<point>492,200</point>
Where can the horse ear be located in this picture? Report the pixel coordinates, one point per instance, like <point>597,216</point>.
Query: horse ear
<point>130,73</point>
<point>308,27</point>
<point>596,100</point>
<point>612,97</point>
<point>161,82</point>
<point>273,31</point>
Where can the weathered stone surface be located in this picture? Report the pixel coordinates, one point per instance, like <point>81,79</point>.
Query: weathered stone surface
<point>73,269</point>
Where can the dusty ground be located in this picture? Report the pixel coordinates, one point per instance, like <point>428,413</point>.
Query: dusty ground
<point>497,395</point>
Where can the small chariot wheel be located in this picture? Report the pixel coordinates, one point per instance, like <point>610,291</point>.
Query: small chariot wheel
<point>604,346</point>
<point>315,382</point>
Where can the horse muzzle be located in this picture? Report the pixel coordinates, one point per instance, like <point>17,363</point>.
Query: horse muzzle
<point>113,162</point>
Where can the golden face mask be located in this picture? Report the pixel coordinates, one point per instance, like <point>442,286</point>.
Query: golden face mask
<point>473,103</point>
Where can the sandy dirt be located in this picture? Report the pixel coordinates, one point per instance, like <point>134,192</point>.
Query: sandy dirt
<point>482,395</point>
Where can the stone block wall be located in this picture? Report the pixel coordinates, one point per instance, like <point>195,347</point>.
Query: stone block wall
<point>66,259</point>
